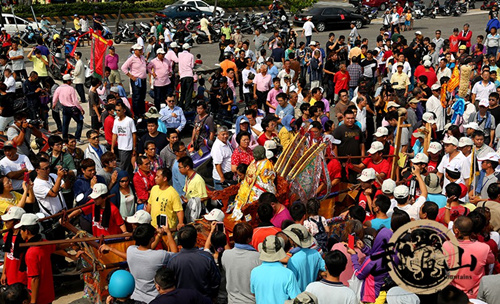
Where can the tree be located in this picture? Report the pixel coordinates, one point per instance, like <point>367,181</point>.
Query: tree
<point>296,6</point>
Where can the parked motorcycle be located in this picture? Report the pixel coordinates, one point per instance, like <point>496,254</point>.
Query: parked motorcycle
<point>124,34</point>
<point>202,37</point>
<point>488,4</point>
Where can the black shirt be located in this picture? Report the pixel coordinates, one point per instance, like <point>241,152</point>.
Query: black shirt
<point>496,113</point>
<point>160,141</point>
<point>6,102</point>
<point>185,296</point>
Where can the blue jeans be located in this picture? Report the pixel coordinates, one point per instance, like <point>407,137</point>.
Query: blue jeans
<point>68,114</point>
<point>218,185</point>
<point>492,51</point>
<point>139,97</point>
<point>351,92</point>
<point>308,40</point>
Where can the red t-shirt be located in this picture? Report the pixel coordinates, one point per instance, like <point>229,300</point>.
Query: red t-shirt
<point>455,212</point>
<point>263,138</point>
<point>11,265</point>
<point>115,221</point>
<point>38,264</point>
<point>454,43</point>
<point>108,128</point>
<point>260,234</point>
<point>341,80</point>
<point>383,167</point>
<point>432,166</point>
<point>362,198</point>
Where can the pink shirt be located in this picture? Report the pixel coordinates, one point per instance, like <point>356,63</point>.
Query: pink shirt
<point>271,97</point>
<point>66,95</point>
<point>280,217</point>
<point>162,69</point>
<point>346,275</point>
<point>112,61</point>
<point>262,83</point>
<point>136,66</point>
<point>465,279</point>
<point>172,56</point>
<point>186,64</point>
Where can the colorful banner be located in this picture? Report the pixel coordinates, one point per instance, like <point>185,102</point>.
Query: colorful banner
<point>98,54</point>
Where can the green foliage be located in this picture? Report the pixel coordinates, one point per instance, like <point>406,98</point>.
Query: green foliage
<point>129,6</point>
<point>296,6</point>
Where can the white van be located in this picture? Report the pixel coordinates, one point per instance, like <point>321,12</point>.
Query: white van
<point>10,24</point>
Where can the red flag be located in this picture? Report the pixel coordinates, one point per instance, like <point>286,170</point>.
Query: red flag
<point>99,48</point>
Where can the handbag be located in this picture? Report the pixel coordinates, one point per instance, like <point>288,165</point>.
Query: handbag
<point>355,285</point>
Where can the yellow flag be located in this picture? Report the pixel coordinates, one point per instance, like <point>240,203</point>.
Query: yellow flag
<point>455,79</point>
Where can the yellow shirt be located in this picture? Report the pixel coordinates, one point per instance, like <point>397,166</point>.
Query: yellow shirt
<point>312,101</point>
<point>39,66</point>
<point>195,187</point>
<point>165,202</point>
<point>402,80</point>
<point>76,24</point>
<point>285,137</point>
<point>7,203</point>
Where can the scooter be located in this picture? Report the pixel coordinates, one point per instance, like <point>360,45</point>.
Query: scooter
<point>124,34</point>
<point>202,37</point>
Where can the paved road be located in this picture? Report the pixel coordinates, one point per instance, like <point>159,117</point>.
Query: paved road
<point>477,20</point>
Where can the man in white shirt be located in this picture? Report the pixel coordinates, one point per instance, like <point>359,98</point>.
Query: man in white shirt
<point>221,156</point>
<point>406,65</point>
<point>47,188</point>
<point>139,41</point>
<point>16,55</point>
<point>453,159</point>
<point>361,104</point>
<point>482,89</point>
<point>14,165</point>
<point>433,105</point>
<point>124,133</point>
<point>307,30</point>
<point>443,70</point>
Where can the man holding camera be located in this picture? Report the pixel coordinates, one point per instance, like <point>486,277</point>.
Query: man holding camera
<point>58,158</point>
<point>15,166</point>
<point>20,132</point>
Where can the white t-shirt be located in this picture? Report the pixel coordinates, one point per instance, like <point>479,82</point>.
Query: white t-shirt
<point>19,63</point>
<point>7,166</point>
<point>244,76</point>
<point>324,290</point>
<point>11,84</point>
<point>460,162</point>
<point>124,129</point>
<point>308,28</point>
<point>413,210</point>
<point>53,204</point>
<point>221,155</point>
<point>167,35</point>
<point>140,42</point>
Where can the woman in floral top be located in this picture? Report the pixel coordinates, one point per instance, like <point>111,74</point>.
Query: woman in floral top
<point>9,198</point>
<point>242,154</point>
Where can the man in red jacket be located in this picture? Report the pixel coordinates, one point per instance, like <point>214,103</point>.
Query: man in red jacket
<point>465,36</point>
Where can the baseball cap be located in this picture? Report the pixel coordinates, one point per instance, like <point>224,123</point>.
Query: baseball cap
<point>161,37</point>
<point>462,47</point>
<point>414,100</point>
<point>418,33</point>
<point>309,17</point>
<point>429,117</point>
<point>137,47</point>
<point>453,171</point>
<point>272,249</point>
<point>27,219</point>
<point>9,144</point>
<point>140,217</point>
<point>432,183</point>
<point>435,86</point>
<point>14,213</point>
<point>427,57</point>
<point>114,90</point>
<point>375,147</point>
<point>435,147</point>
<point>388,186</point>
<point>491,156</point>
<point>472,125</point>
<point>111,47</point>
<point>381,131</point>
<point>367,174</point>
<point>270,145</point>
<point>186,46</point>
<point>392,104</point>
<point>401,191</point>
<point>420,158</point>
<point>215,215</point>
<point>386,34</point>
<point>98,190</point>
<point>427,63</point>
<point>452,140</point>
<point>484,103</point>
<point>419,135</point>
<point>174,45</point>
<point>160,51</point>
<point>465,141</point>
<point>400,64</point>
<point>67,77</point>
<point>313,43</point>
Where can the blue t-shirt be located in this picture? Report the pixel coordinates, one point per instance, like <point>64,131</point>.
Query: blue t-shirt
<point>379,223</point>
<point>68,46</point>
<point>305,265</point>
<point>273,283</point>
<point>439,199</point>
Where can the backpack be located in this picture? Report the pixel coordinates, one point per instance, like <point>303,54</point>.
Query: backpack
<point>321,237</point>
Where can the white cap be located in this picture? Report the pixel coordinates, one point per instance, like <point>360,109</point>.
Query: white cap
<point>161,37</point>
<point>472,125</point>
<point>270,144</point>
<point>381,131</point>
<point>309,17</point>
<point>186,46</point>
<point>67,77</point>
<point>140,217</point>
<point>376,147</point>
<point>418,33</point>
<point>429,117</point>
<point>215,215</point>
<point>388,186</point>
<point>27,219</point>
<point>367,174</point>
<point>435,147</point>
<point>114,90</point>
<point>392,104</point>
<point>401,191</point>
<point>427,57</point>
<point>98,190</point>
<point>400,64</point>
<point>453,167</point>
<point>137,47</point>
<point>419,135</point>
<point>484,103</point>
<point>427,63</point>
<point>312,43</point>
<point>465,141</point>
<point>420,158</point>
<point>452,140</point>
<point>435,86</point>
<point>160,51</point>
<point>174,45</point>
<point>491,156</point>
<point>14,213</point>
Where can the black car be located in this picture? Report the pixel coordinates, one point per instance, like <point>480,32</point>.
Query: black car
<point>325,17</point>
<point>181,11</point>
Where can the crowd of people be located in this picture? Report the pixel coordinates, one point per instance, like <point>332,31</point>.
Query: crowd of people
<point>412,118</point>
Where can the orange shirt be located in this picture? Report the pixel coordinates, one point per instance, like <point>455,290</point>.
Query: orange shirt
<point>228,64</point>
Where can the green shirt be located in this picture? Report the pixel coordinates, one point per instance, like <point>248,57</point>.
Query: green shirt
<point>226,31</point>
<point>159,30</point>
<point>67,163</point>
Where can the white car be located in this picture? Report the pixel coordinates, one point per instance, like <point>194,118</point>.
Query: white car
<point>9,22</point>
<point>201,5</point>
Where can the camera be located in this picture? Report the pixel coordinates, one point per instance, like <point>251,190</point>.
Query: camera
<point>34,122</point>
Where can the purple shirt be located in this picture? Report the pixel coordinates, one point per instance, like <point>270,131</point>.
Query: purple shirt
<point>112,61</point>
<point>271,97</point>
<point>278,218</point>
<point>162,69</point>
<point>136,66</point>
<point>186,64</point>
